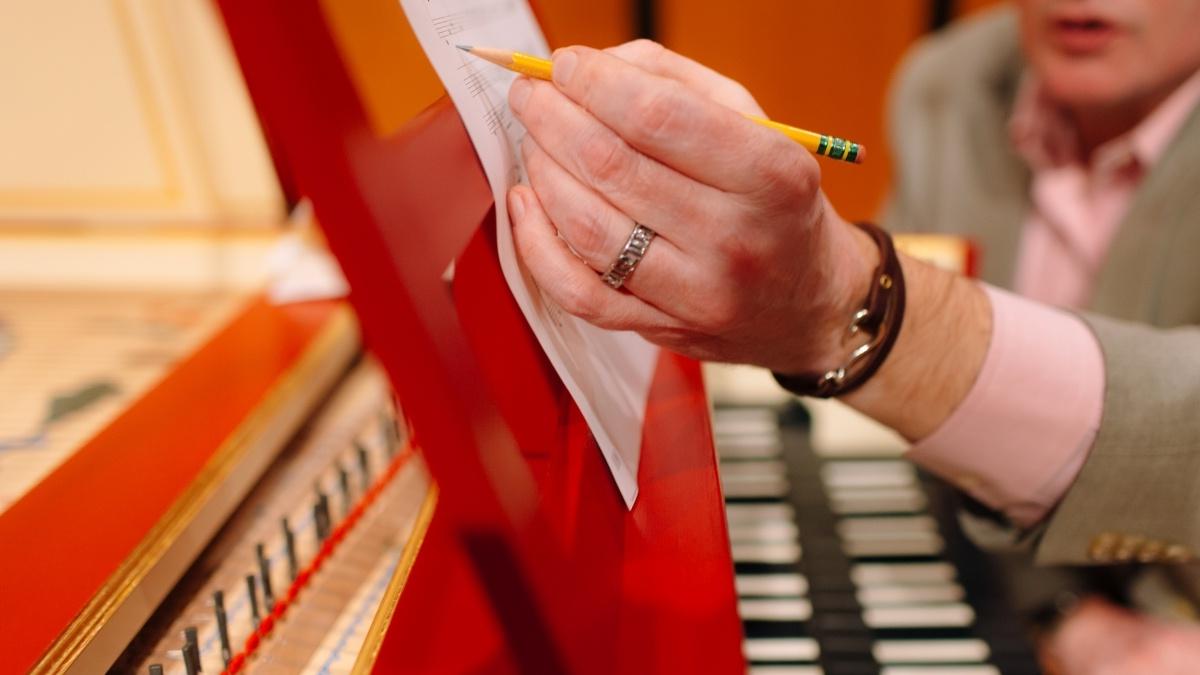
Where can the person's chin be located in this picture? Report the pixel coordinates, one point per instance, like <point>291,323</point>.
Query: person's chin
<point>1076,84</point>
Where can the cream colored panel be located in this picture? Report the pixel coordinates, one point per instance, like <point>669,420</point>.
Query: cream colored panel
<point>233,152</point>
<point>73,116</point>
<point>127,110</point>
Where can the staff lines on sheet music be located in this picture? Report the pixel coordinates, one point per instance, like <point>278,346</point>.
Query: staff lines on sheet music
<point>474,15</point>
<point>481,85</point>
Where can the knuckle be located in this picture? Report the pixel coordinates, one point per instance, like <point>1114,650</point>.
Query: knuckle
<point>588,235</point>
<point>605,160</point>
<point>737,94</point>
<point>655,112</point>
<point>737,251</point>
<point>788,175</point>
<point>534,114</point>
<point>720,312</point>
<point>581,300</point>
<point>646,49</point>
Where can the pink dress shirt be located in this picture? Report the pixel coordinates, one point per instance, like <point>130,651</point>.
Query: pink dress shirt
<point>1024,430</point>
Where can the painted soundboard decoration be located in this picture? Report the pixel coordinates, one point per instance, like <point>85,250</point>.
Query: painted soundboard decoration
<point>70,362</point>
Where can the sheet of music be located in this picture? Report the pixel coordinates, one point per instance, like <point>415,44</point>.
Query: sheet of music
<point>608,373</point>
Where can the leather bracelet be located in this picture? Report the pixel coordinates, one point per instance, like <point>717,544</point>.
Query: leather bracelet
<point>881,316</point>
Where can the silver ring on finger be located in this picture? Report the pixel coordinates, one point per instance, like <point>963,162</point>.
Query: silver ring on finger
<point>635,249</point>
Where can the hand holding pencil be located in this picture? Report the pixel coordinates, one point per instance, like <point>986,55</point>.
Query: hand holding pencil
<point>645,175</point>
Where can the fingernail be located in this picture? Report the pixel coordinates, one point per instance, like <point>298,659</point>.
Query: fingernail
<point>564,65</point>
<point>516,206</point>
<point>518,94</point>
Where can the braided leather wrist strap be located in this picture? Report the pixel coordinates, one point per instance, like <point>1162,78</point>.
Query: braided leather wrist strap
<point>881,317</point>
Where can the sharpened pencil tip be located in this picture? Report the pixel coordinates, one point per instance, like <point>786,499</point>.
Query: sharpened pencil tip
<point>465,48</point>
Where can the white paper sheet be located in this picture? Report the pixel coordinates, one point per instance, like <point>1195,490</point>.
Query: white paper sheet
<point>608,373</point>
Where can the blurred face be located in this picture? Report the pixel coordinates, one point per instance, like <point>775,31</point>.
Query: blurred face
<point>1103,54</point>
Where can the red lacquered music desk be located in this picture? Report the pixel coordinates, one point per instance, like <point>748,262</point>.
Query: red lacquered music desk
<point>532,563</point>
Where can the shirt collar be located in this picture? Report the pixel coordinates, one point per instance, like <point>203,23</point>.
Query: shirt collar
<point>1043,135</point>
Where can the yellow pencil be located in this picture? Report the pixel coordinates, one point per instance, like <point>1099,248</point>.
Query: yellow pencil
<point>819,144</point>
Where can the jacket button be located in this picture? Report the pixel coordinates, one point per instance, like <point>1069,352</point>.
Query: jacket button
<point>1151,551</point>
<point>1177,554</point>
<point>1102,546</point>
<point>1128,548</point>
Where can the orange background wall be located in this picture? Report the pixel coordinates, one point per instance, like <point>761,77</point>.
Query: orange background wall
<point>820,65</point>
<point>813,63</point>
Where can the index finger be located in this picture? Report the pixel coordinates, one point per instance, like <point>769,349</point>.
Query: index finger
<point>677,126</point>
<point>657,59</point>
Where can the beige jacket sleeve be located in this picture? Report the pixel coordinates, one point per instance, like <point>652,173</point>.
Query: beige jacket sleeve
<point>1138,494</point>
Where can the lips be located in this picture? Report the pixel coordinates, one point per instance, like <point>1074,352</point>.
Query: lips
<point>1082,35</point>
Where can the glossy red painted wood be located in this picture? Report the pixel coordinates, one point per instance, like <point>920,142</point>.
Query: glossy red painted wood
<point>64,538</point>
<point>532,564</point>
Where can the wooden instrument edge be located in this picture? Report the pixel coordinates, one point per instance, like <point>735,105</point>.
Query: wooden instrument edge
<point>391,595</point>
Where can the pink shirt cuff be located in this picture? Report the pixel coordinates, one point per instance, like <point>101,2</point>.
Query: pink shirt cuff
<point>1021,435</point>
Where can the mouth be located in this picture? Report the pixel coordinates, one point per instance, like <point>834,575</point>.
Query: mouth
<point>1082,35</point>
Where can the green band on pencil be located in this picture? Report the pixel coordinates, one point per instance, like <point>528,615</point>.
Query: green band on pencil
<point>837,149</point>
<point>823,146</point>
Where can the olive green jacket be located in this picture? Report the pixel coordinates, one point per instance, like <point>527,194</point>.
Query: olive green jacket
<point>958,173</point>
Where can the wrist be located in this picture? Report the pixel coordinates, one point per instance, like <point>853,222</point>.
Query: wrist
<point>871,329</point>
<point>941,348</point>
<point>860,258</point>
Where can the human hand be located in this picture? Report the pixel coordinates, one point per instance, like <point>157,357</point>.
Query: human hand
<point>1100,638</point>
<point>751,263</point>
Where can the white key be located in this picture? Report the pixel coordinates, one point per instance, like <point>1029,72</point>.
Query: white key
<point>893,536</point>
<point>775,609</point>
<point>882,473</point>
<point>940,670</point>
<point>739,430</point>
<point>781,649</point>
<point>786,585</point>
<point>764,531</point>
<point>758,467</point>
<point>745,487</point>
<point>748,412</point>
<point>785,670</point>
<point>965,650</point>
<point>883,596</point>
<point>745,416</point>
<point>778,553</point>
<point>898,547</point>
<point>851,501</point>
<point>871,574</point>
<point>867,525</point>
<point>728,450</point>
<point>753,513</point>
<point>954,615</point>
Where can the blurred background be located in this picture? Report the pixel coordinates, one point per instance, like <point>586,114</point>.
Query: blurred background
<point>132,112</point>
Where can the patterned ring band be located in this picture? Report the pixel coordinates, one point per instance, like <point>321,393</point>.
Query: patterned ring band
<point>631,255</point>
